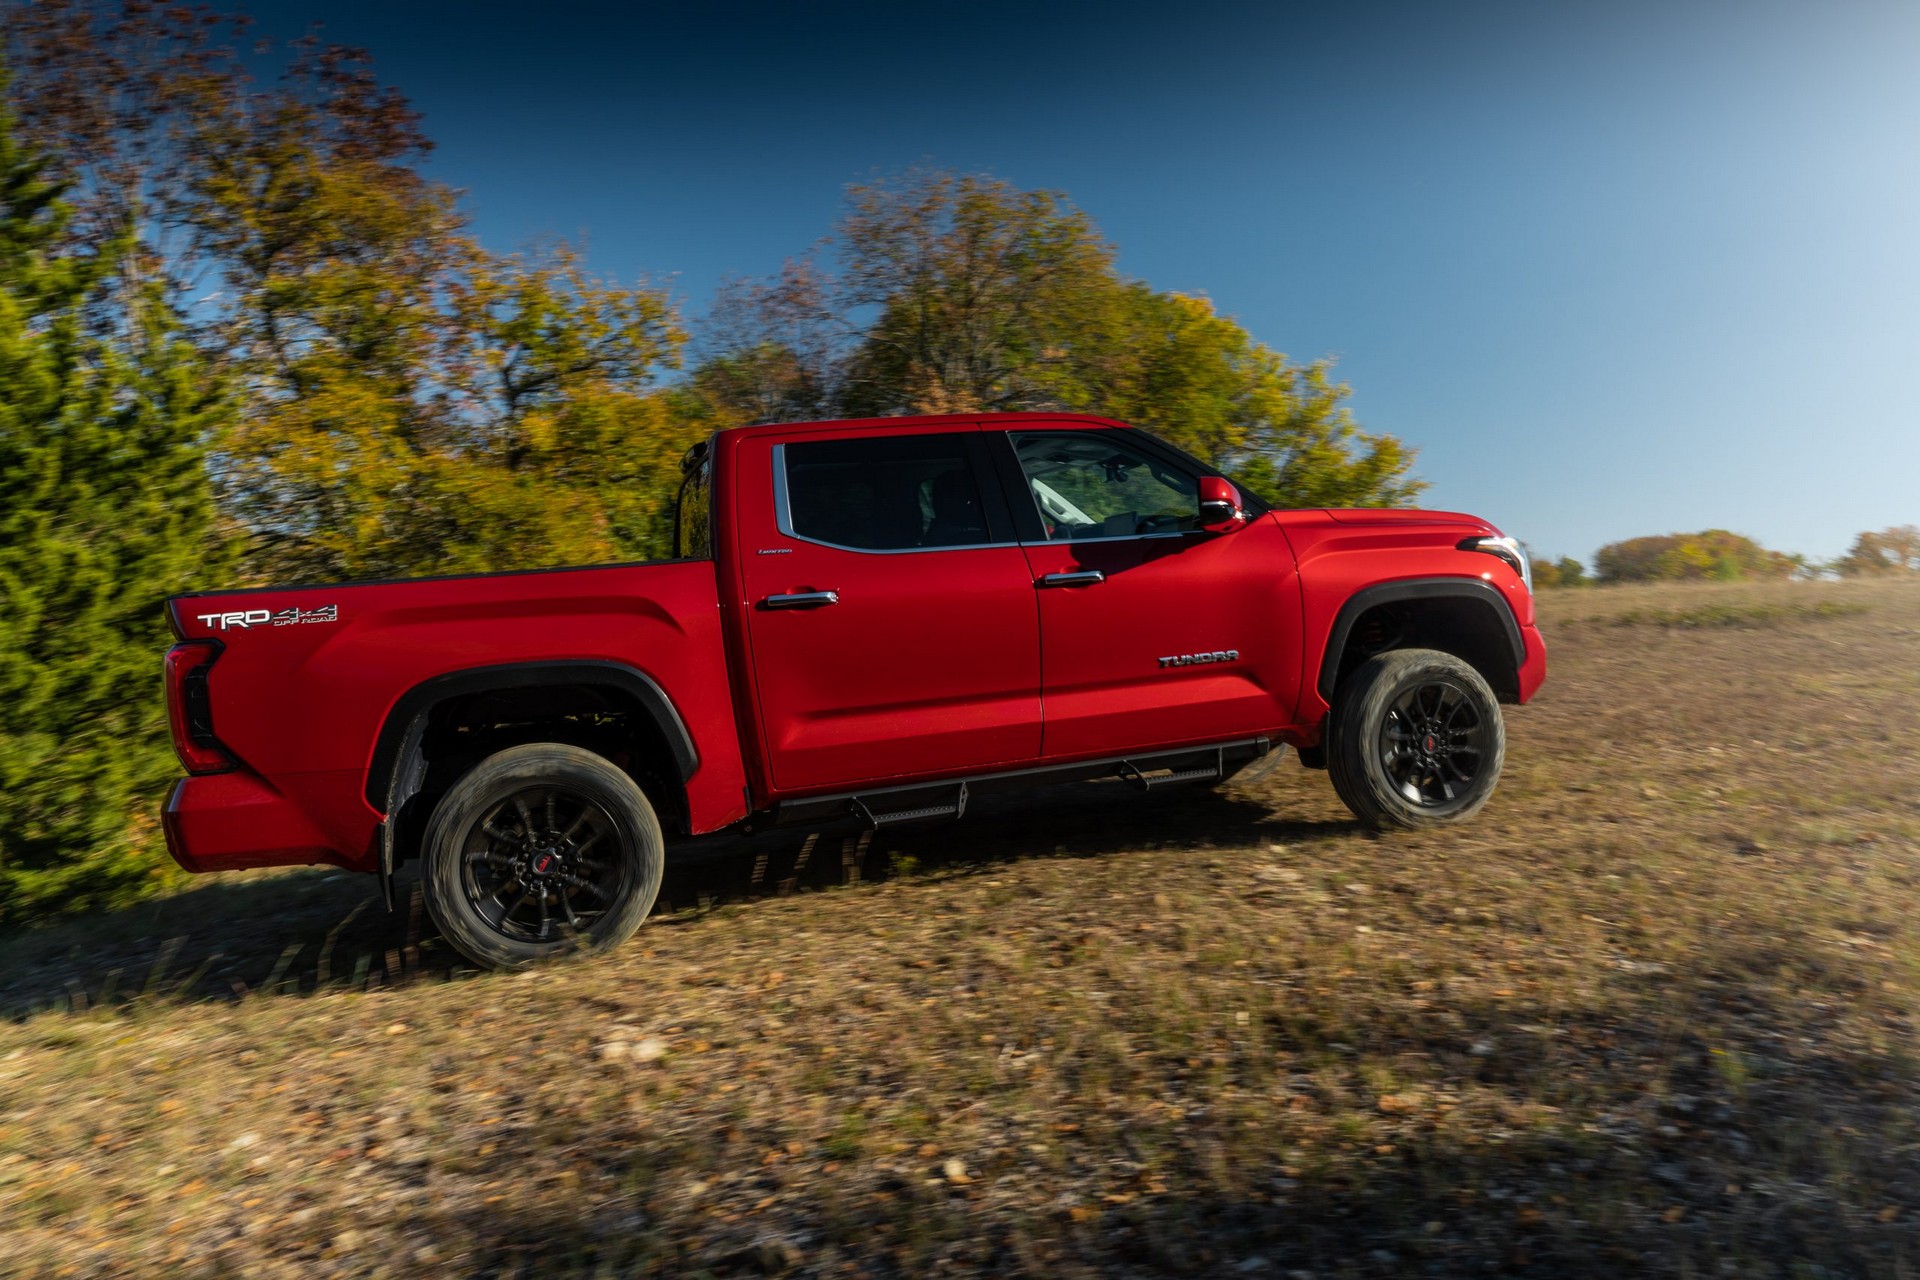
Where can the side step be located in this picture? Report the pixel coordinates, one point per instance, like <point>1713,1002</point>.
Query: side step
<point>923,801</point>
<point>958,809</point>
<point>1132,775</point>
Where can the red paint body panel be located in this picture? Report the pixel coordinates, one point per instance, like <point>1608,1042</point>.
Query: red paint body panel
<point>932,662</point>
<point>1343,553</point>
<point>301,705</point>
<point>1104,686</point>
<point>928,664</point>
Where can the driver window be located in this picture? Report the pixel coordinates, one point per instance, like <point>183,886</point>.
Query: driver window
<point>1089,485</point>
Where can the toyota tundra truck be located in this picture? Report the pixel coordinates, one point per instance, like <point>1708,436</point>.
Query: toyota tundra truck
<point>865,622</point>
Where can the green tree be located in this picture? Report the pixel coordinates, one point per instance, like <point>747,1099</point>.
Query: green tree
<point>105,509</point>
<point>1564,572</point>
<point>1176,366</point>
<point>407,400</point>
<point>980,297</point>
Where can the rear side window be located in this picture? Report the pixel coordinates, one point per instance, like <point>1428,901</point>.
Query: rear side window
<point>882,493</point>
<point>693,527</point>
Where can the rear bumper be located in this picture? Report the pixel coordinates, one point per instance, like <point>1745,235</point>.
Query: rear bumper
<point>233,821</point>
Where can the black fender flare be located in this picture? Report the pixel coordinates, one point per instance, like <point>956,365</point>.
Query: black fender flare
<point>396,769</point>
<point>1476,589</point>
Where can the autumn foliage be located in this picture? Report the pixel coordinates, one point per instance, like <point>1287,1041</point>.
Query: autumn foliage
<point>247,338</point>
<point>1711,555</point>
<point>1886,552</point>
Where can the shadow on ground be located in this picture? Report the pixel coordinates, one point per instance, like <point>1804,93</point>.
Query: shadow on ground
<point>298,931</point>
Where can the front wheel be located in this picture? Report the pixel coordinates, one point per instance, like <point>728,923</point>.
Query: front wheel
<point>540,850</point>
<point>1415,739</point>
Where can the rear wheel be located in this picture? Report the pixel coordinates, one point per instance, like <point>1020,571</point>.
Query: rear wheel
<point>541,850</point>
<point>1415,739</point>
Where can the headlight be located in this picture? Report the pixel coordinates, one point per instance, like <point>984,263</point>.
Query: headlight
<point>1508,549</point>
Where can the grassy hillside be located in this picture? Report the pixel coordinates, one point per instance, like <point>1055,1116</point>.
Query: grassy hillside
<point>1652,1014</point>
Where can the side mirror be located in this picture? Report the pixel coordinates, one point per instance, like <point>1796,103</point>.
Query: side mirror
<point>1220,510</point>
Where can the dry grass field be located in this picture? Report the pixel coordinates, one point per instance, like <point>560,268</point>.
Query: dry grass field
<point>1653,1014</point>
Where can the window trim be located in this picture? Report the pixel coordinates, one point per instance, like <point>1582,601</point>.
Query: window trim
<point>783,510</point>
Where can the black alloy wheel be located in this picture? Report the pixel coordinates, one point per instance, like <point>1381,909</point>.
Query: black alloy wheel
<point>1433,743</point>
<point>539,863</point>
<point>540,850</point>
<point>1415,739</point>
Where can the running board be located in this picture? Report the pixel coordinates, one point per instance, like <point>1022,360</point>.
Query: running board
<point>957,809</point>
<point>925,801</point>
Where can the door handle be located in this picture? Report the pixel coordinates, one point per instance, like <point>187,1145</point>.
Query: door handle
<point>1084,578</point>
<point>801,600</point>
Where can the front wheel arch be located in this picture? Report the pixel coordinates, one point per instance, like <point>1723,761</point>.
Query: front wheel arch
<point>1469,618</point>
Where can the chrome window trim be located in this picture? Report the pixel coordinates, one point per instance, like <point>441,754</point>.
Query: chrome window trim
<point>783,519</point>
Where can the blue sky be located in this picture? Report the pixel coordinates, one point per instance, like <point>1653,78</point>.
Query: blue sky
<point>1613,268</point>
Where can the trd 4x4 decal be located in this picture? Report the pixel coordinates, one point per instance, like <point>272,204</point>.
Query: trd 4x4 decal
<point>267,618</point>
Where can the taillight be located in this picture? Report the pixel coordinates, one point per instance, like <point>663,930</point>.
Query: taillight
<point>190,709</point>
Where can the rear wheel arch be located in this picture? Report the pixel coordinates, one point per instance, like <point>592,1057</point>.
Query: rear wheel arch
<point>444,725</point>
<point>1466,617</point>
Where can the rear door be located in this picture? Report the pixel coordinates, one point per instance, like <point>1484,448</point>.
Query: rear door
<point>891,611</point>
<point>1153,632</point>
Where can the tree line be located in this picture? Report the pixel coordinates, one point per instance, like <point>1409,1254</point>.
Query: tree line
<point>244,337</point>
<point>1715,555</point>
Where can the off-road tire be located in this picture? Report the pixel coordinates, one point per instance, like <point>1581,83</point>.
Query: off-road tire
<point>629,855</point>
<point>1366,741</point>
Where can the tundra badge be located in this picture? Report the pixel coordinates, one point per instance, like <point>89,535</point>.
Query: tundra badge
<point>1195,659</point>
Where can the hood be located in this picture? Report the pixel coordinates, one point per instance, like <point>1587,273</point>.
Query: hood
<point>1408,516</point>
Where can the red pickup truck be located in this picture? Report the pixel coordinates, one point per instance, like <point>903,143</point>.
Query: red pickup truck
<point>864,621</point>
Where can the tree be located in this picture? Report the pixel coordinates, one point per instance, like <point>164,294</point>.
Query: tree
<point>983,293</point>
<point>773,351</point>
<point>1564,572</point>
<point>1176,366</point>
<point>408,401</point>
<point>1713,554</point>
<point>105,508</point>
<point>1894,550</point>
<point>980,297</point>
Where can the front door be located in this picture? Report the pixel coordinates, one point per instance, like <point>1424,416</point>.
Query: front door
<point>1153,632</point>
<point>893,620</point>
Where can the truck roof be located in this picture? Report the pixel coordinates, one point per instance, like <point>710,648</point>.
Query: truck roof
<point>925,420</point>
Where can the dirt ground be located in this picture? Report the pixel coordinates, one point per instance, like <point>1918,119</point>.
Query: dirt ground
<point>1652,1014</point>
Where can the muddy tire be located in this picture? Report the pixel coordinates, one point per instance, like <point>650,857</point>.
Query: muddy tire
<point>1415,739</point>
<point>538,851</point>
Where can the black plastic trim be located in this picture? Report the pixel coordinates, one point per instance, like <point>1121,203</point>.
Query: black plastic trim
<point>841,804</point>
<point>1414,589</point>
<point>1005,463</point>
<point>397,747</point>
